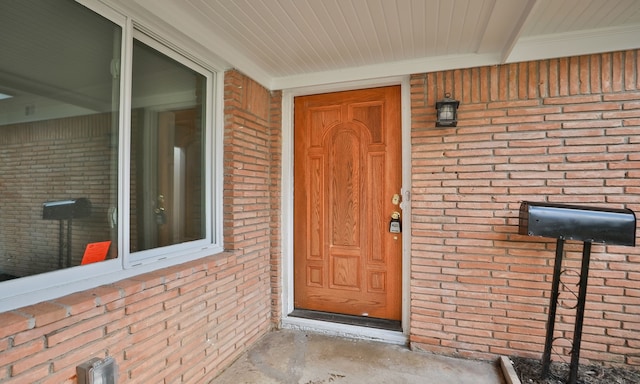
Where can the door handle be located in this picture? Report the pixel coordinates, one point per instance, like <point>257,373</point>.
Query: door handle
<point>161,216</point>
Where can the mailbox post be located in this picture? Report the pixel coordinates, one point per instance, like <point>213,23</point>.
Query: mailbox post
<point>572,222</point>
<point>65,210</point>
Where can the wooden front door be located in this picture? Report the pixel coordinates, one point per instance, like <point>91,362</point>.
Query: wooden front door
<point>347,169</point>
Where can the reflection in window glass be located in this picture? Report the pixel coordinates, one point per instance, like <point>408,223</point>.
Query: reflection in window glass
<point>58,136</point>
<point>167,158</point>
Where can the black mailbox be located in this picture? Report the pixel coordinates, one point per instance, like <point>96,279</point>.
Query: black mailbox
<point>573,222</point>
<point>66,209</point>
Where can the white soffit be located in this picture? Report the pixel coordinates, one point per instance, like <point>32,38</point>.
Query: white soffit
<point>293,43</point>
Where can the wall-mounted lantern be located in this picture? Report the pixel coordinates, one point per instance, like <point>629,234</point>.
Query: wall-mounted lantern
<point>447,112</point>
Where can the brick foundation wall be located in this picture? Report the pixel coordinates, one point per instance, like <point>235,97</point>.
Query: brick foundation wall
<point>181,324</point>
<point>564,131</point>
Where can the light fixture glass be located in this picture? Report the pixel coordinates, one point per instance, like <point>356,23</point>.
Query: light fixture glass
<point>4,96</point>
<point>447,111</point>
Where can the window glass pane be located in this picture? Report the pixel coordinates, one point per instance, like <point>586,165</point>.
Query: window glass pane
<point>58,136</point>
<point>167,157</point>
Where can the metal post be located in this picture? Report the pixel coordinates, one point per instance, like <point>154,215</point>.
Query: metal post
<point>553,304</point>
<point>60,243</point>
<point>68,243</point>
<point>582,297</point>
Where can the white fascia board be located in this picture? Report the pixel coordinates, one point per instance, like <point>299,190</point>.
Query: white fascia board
<point>400,68</point>
<point>575,43</point>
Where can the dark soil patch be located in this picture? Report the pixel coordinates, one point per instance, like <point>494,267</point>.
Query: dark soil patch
<point>530,372</point>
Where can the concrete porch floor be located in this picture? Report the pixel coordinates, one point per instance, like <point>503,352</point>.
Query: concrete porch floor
<point>301,357</point>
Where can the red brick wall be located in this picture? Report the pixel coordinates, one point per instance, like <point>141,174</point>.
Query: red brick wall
<point>562,130</point>
<point>275,190</point>
<point>182,324</point>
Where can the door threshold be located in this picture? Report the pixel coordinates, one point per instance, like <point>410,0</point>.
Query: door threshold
<point>344,330</point>
<point>361,321</point>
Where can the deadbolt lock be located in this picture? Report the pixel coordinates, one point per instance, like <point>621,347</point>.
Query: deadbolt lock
<point>394,225</point>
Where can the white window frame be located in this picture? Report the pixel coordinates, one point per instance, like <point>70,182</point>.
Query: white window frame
<point>155,254</point>
<point>46,286</point>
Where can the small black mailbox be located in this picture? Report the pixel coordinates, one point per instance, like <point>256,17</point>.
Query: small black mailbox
<point>573,222</point>
<point>66,209</point>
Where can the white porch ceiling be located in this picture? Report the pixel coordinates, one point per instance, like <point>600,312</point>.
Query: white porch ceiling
<point>291,43</point>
